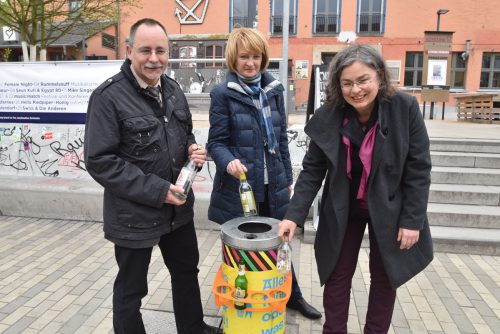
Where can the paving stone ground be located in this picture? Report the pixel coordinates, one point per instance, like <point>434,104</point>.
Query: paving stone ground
<point>56,276</point>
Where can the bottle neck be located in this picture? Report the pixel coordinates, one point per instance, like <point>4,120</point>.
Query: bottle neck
<point>243,177</point>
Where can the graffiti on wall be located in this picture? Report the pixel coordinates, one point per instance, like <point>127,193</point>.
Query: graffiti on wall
<point>42,150</point>
<point>53,150</point>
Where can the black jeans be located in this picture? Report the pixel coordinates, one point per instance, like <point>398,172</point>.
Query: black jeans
<point>180,254</point>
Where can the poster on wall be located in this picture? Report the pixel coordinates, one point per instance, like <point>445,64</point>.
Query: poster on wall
<point>301,69</point>
<point>436,73</point>
<point>52,93</point>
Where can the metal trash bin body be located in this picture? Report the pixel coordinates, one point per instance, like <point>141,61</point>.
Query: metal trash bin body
<point>255,239</point>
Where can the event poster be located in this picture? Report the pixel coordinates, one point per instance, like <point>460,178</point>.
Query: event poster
<point>301,69</point>
<point>57,93</point>
<point>436,73</point>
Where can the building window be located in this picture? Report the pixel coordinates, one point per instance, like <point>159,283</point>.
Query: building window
<point>326,17</point>
<point>277,18</point>
<point>187,52</point>
<point>458,70</point>
<point>413,69</point>
<point>244,14</point>
<point>215,52</point>
<point>394,69</point>
<point>327,57</point>
<point>108,41</point>
<point>490,71</point>
<point>371,17</point>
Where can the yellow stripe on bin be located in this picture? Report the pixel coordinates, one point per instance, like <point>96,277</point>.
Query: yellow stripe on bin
<point>235,265</point>
<point>269,261</point>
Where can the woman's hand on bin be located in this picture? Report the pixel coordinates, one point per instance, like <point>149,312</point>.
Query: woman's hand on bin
<point>286,227</point>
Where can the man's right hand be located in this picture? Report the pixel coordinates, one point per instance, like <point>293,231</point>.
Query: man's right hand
<point>171,199</point>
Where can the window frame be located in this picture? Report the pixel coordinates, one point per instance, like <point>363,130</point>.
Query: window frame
<point>415,69</point>
<point>292,19</point>
<point>327,14</point>
<point>214,56</point>
<point>248,21</point>
<point>491,70</point>
<point>394,65</point>
<point>370,13</point>
<point>455,70</point>
<point>187,64</point>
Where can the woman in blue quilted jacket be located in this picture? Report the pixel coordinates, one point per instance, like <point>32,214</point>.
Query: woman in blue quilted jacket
<point>248,135</point>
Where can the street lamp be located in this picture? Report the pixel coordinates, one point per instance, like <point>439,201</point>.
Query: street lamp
<point>440,12</point>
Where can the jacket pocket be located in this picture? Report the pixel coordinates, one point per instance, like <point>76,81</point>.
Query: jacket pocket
<point>141,136</point>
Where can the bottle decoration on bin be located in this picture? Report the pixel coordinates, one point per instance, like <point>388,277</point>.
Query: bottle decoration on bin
<point>240,286</point>
<point>247,198</point>
<point>284,258</point>
<point>186,179</point>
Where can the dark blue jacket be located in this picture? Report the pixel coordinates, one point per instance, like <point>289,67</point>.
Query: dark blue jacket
<point>236,132</point>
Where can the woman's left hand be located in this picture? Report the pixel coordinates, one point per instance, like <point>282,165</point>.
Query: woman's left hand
<point>408,238</point>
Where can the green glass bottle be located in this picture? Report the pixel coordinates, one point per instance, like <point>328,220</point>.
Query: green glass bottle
<point>240,286</point>
<point>246,196</point>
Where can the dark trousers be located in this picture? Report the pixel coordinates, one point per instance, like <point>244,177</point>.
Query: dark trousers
<point>180,253</point>
<point>338,286</point>
<point>264,211</point>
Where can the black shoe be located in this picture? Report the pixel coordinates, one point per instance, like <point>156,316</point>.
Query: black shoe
<point>207,329</point>
<point>304,308</point>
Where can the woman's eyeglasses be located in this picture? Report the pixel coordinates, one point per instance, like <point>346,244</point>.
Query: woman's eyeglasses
<point>363,83</point>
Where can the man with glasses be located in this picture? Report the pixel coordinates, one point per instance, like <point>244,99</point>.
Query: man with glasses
<point>138,136</point>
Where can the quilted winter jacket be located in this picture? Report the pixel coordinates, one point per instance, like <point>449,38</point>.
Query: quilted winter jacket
<point>135,155</point>
<point>236,132</point>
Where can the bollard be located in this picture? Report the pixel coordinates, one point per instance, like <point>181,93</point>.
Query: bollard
<point>255,239</point>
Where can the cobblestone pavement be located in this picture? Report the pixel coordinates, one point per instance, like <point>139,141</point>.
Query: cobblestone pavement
<point>56,277</point>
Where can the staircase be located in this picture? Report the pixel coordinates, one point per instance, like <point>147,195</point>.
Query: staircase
<point>464,199</point>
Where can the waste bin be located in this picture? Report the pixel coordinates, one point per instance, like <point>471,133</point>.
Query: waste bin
<point>256,241</point>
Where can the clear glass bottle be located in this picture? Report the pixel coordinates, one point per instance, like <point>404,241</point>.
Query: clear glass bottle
<point>246,196</point>
<point>284,257</point>
<point>186,179</point>
<point>240,286</point>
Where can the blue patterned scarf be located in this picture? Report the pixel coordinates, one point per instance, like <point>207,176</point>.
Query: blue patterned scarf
<point>252,87</point>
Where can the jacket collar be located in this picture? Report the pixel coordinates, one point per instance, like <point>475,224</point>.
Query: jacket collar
<point>166,84</point>
<point>324,129</point>
<point>270,86</point>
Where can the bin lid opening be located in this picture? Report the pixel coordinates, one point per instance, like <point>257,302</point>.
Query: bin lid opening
<point>254,227</point>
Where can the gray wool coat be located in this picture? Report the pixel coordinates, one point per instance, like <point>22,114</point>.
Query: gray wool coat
<point>398,187</point>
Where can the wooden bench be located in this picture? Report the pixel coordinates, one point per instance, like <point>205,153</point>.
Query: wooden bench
<point>478,108</point>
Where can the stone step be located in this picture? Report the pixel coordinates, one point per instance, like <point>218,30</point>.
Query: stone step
<point>464,194</point>
<point>469,216</point>
<point>465,145</point>
<point>464,175</point>
<point>466,240</point>
<point>445,239</point>
<point>466,159</point>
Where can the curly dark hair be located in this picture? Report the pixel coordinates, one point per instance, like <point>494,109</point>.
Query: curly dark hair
<point>365,54</point>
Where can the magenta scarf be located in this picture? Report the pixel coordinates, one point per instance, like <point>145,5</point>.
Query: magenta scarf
<point>365,155</point>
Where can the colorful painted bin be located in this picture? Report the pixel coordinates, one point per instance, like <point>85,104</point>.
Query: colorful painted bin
<point>255,239</point>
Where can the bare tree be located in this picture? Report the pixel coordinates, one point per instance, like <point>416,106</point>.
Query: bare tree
<point>42,22</point>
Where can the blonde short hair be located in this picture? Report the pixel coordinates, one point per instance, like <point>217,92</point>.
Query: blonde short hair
<point>248,39</point>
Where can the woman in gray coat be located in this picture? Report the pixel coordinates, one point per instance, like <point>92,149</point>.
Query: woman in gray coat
<point>371,144</point>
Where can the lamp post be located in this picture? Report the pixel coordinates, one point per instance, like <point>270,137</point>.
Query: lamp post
<point>440,12</point>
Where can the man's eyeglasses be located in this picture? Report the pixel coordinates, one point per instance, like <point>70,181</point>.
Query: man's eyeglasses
<point>148,52</point>
<point>363,83</point>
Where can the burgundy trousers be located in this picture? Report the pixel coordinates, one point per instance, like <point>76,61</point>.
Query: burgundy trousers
<point>338,286</point>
